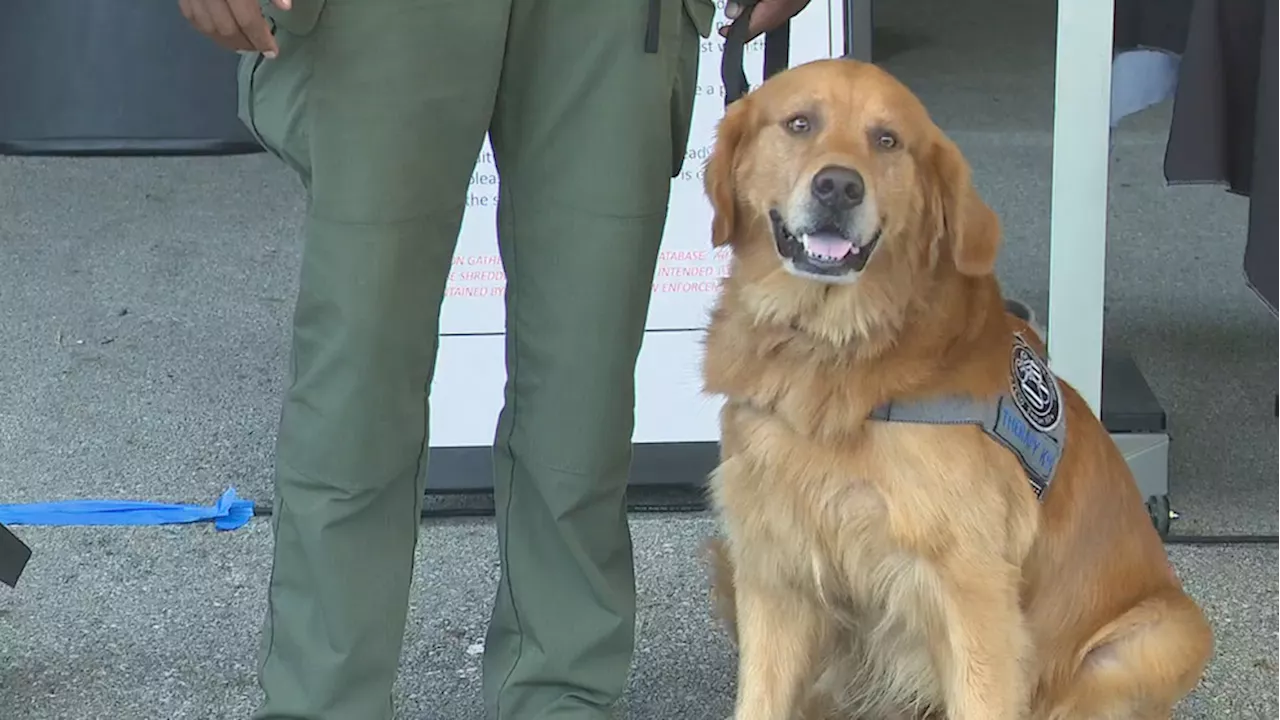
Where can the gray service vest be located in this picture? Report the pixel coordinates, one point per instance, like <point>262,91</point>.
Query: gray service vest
<point>1028,419</point>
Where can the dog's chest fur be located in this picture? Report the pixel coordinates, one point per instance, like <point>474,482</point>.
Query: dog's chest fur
<point>850,516</point>
<point>805,519</point>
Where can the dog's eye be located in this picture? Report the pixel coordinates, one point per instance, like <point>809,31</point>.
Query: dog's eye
<point>798,124</point>
<point>886,140</point>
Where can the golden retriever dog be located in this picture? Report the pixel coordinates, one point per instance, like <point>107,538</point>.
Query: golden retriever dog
<point>876,569</point>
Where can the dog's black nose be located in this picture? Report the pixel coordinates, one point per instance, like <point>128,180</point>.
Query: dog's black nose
<point>838,188</point>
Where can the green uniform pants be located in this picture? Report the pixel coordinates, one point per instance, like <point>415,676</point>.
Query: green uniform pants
<point>381,107</point>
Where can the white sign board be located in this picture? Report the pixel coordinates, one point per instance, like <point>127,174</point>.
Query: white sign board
<point>467,392</point>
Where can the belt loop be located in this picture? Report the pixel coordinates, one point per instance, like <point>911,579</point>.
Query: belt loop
<point>653,28</point>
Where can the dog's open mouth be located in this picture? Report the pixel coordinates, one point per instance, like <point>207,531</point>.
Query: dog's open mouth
<point>823,251</point>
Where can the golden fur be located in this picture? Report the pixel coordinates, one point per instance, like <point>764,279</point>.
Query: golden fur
<point>877,570</point>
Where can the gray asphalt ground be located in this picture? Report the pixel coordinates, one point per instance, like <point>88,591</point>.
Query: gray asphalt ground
<point>142,342</point>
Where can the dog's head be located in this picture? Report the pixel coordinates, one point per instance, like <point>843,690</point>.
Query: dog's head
<point>832,185</point>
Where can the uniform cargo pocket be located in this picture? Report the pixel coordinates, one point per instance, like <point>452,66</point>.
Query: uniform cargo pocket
<point>249,63</point>
<point>272,99</point>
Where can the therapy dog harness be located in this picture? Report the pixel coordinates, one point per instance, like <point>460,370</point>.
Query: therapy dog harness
<point>1028,419</point>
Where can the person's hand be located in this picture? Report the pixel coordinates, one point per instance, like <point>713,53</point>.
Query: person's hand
<point>767,15</point>
<point>233,24</point>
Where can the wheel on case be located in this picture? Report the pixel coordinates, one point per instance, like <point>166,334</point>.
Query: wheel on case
<point>1160,512</point>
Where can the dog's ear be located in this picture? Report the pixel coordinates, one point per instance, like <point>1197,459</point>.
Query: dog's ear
<point>963,221</point>
<point>718,176</point>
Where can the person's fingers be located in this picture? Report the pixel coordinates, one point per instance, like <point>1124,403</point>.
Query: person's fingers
<point>214,19</point>
<point>733,10</point>
<point>223,27</point>
<point>195,13</point>
<point>224,23</point>
<point>282,4</point>
<point>252,25</point>
<point>767,15</point>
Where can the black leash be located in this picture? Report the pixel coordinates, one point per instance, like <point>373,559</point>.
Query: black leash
<point>777,51</point>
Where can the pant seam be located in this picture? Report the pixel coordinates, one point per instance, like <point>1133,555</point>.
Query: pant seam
<point>423,453</point>
<point>269,650</point>
<point>514,372</point>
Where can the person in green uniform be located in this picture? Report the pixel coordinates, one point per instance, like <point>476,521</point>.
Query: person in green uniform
<point>381,107</point>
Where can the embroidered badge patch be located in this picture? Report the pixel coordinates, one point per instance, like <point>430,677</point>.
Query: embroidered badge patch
<point>1032,385</point>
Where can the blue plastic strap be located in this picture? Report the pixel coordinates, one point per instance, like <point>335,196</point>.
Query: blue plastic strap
<point>229,513</point>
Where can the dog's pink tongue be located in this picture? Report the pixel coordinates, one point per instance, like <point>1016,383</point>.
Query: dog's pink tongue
<point>828,245</point>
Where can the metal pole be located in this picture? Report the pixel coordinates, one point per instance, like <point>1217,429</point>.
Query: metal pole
<point>1078,223</point>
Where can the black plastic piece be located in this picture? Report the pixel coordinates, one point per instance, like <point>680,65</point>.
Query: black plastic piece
<point>1128,404</point>
<point>1161,514</point>
<point>14,555</point>
<point>470,469</point>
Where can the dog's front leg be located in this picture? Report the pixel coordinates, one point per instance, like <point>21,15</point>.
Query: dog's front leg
<point>986,647</point>
<point>777,638</point>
